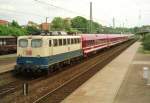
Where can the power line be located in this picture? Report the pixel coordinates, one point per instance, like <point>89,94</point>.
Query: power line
<point>61,8</point>
<point>21,12</point>
<point>67,10</point>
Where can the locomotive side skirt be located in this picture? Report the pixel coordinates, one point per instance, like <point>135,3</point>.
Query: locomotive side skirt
<point>43,63</point>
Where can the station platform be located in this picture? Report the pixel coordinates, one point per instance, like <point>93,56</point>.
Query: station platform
<point>6,68</point>
<point>104,85</point>
<point>8,56</point>
<point>7,62</point>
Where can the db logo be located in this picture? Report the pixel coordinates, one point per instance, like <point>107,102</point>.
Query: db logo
<point>29,52</point>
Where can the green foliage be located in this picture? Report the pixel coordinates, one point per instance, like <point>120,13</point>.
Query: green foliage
<point>73,31</point>
<point>32,30</point>
<point>57,23</point>
<point>11,30</point>
<point>118,30</point>
<point>136,30</point>
<point>3,30</point>
<point>67,25</point>
<point>80,23</point>
<point>16,30</point>
<point>146,43</point>
<point>76,24</point>
<point>96,27</point>
<point>15,24</point>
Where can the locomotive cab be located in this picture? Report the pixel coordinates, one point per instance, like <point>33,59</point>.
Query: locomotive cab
<point>31,55</point>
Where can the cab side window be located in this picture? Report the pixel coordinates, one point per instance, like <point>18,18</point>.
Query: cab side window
<point>68,40</point>
<point>64,42</point>
<point>60,42</point>
<point>50,43</point>
<point>55,42</point>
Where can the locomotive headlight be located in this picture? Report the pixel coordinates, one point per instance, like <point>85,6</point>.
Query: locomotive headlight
<point>19,55</point>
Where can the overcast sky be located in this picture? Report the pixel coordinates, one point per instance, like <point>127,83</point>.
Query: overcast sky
<point>125,12</point>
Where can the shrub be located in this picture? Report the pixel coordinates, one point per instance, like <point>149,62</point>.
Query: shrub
<point>146,42</point>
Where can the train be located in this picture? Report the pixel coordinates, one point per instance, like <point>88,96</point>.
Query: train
<point>8,44</point>
<point>43,53</point>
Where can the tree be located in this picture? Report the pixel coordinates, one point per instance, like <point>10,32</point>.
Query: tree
<point>32,30</point>
<point>3,30</point>
<point>57,23</point>
<point>67,24</point>
<point>146,42</point>
<point>12,29</point>
<point>15,24</point>
<point>96,27</point>
<point>80,23</point>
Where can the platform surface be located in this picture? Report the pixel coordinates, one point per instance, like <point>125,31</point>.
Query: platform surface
<point>134,89</point>
<point>7,62</point>
<point>6,68</point>
<point>104,85</point>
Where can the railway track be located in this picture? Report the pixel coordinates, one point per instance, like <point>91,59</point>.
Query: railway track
<point>54,88</point>
<point>61,92</point>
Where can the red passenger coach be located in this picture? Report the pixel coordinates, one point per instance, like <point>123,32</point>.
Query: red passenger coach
<point>93,42</point>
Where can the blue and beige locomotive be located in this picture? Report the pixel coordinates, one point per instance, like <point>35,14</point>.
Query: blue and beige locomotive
<point>44,53</point>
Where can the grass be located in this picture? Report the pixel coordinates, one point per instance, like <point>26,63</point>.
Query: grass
<point>143,51</point>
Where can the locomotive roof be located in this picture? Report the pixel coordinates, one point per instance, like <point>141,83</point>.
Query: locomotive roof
<point>48,36</point>
<point>84,36</point>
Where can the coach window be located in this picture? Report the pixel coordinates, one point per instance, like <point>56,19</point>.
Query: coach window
<point>64,41</point>
<point>68,40</point>
<point>36,43</point>
<point>60,42</point>
<point>50,43</point>
<point>55,42</point>
<point>23,43</point>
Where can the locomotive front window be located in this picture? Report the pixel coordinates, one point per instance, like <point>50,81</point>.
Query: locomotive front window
<point>36,43</point>
<point>23,43</point>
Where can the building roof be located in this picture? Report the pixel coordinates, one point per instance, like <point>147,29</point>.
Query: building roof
<point>3,21</point>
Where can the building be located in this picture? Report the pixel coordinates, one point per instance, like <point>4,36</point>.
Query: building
<point>3,22</point>
<point>33,24</point>
<point>45,26</point>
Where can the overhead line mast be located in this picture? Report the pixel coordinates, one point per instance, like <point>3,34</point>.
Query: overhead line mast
<point>91,18</point>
